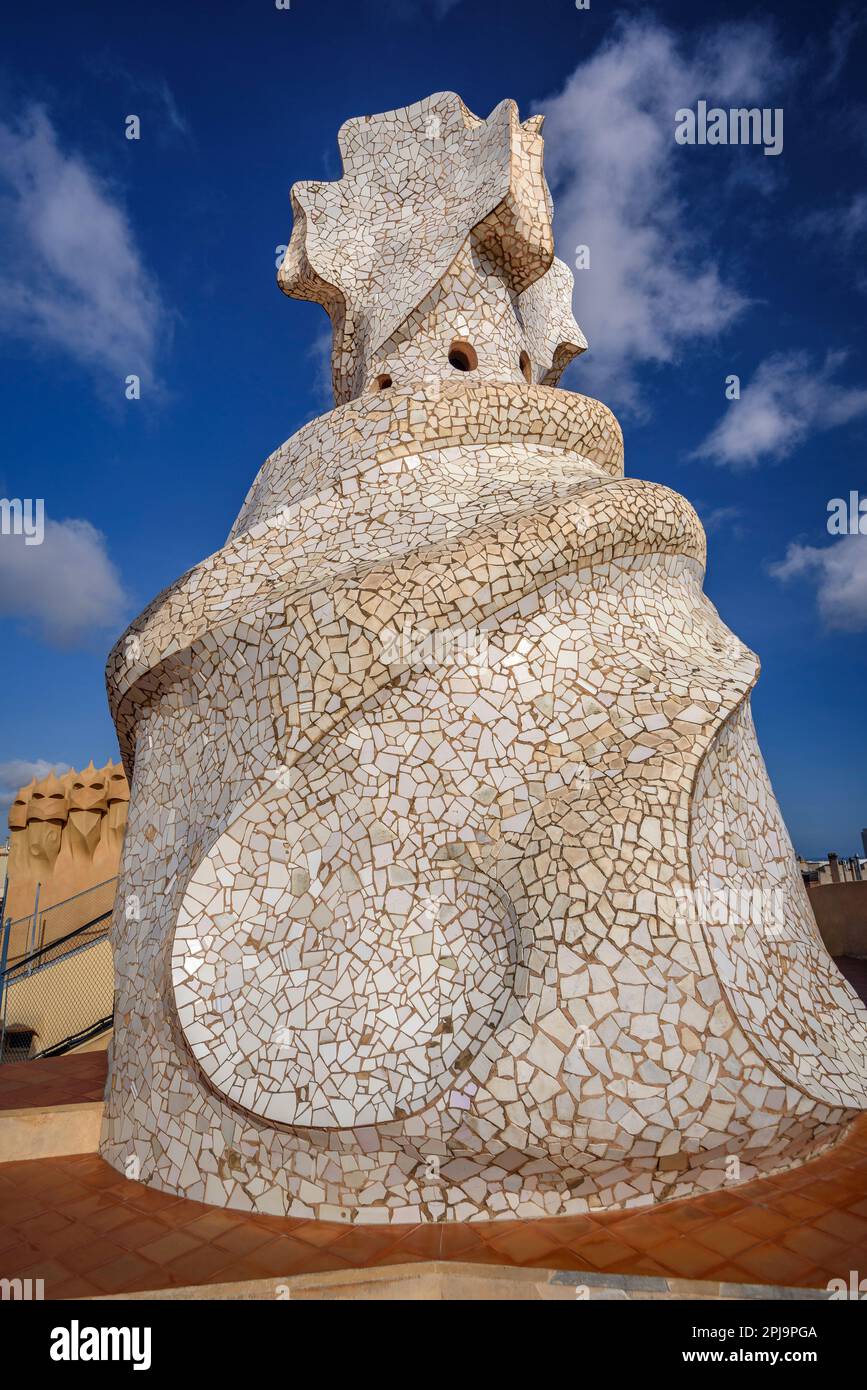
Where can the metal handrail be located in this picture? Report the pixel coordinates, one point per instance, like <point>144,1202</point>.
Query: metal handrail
<point>44,911</point>
<point>27,964</point>
<point>84,1035</point>
<point>32,966</point>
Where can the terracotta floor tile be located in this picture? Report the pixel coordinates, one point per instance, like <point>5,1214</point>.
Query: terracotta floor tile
<point>459,1241</point>
<point>47,1224</point>
<point>843,1224</point>
<point>242,1240</point>
<point>177,1218</point>
<point>361,1244</point>
<point>811,1279</point>
<point>796,1207</point>
<point>318,1262</point>
<point>849,1171</point>
<point>280,1225</point>
<point>833,1266</point>
<point>8,1237</point>
<point>168,1247</point>
<point>103,1178</point>
<point>281,1256</point>
<point>75,1286</point>
<point>113,1218</point>
<point>523,1245</point>
<point>317,1233</point>
<point>13,1211</point>
<point>722,1203</point>
<point>128,1274</point>
<point>239,1270</point>
<point>60,1194</point>
<point>64,1214</point>
<point>686,1259</point>
<point>84,1259</point>
<point>140,1231</point>
<point>600,1251</point>
<point>761,1222</point>
<point>202,1266</point>
<point>150,1201</point>
<point>772,1264</point>
<point>844,1261</point>
<point>791,1181</point>
<point>637,1264</point>
<point>17,1257</point>
<point>812,1244</point>
<point>725,1238</point>
<point>71,1237</point>
<point>51,1271</point>
<point>567,1229</point>
<point>731,1274</point>
<point>213,1223</point>
<point>832,1192</point>
<point>645,1231</point>
<point>689,1218</point>
<point>426,1241</point>
<point>84,1207</point>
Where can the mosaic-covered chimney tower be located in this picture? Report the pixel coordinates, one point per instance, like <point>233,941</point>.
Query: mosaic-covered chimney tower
<point>455,885</point>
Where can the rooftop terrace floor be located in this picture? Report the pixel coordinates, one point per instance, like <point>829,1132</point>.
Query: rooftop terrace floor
<point>86,1230</point>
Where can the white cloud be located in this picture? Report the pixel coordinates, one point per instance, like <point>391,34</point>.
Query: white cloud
<point>715,519</point>
<point>839,572</point>
<point>846,26</point>
<point>321,384</point>
<point>72,277</point>
<point>67,586</point>
<point>17,773</point>
<point>415,9</point>
<point>149,97</point>
<point>166,97</point>
<point>161,97</point>
<point>845,222</point>
<point>619,182</point>
<point>845,225</point>
<point>788,397</point>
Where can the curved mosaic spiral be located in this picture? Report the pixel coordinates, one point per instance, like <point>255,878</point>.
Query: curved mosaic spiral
<point>463,892</point>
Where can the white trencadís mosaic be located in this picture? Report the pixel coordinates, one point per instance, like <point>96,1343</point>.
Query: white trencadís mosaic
<point>413,940</point>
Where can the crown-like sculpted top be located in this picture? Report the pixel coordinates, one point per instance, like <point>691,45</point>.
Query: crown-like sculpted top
<point>435,206</point>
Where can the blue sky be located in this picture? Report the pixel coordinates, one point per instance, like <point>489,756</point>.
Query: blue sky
<point>156,257</point>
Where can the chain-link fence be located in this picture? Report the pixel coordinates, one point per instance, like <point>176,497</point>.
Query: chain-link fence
<point>43,926</point>
<point>59,997</point>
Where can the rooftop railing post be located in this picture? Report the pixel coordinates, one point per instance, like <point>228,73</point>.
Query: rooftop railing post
<point>32,946</point>
<point>6,932</point>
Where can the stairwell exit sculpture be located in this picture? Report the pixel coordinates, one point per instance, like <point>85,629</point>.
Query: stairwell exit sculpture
<point>443,766</point>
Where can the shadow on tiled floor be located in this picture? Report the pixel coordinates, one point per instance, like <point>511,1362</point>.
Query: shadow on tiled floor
<point>85,1229</point>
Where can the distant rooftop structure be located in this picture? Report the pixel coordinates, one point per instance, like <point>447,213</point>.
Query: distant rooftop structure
<point>833,869</point>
